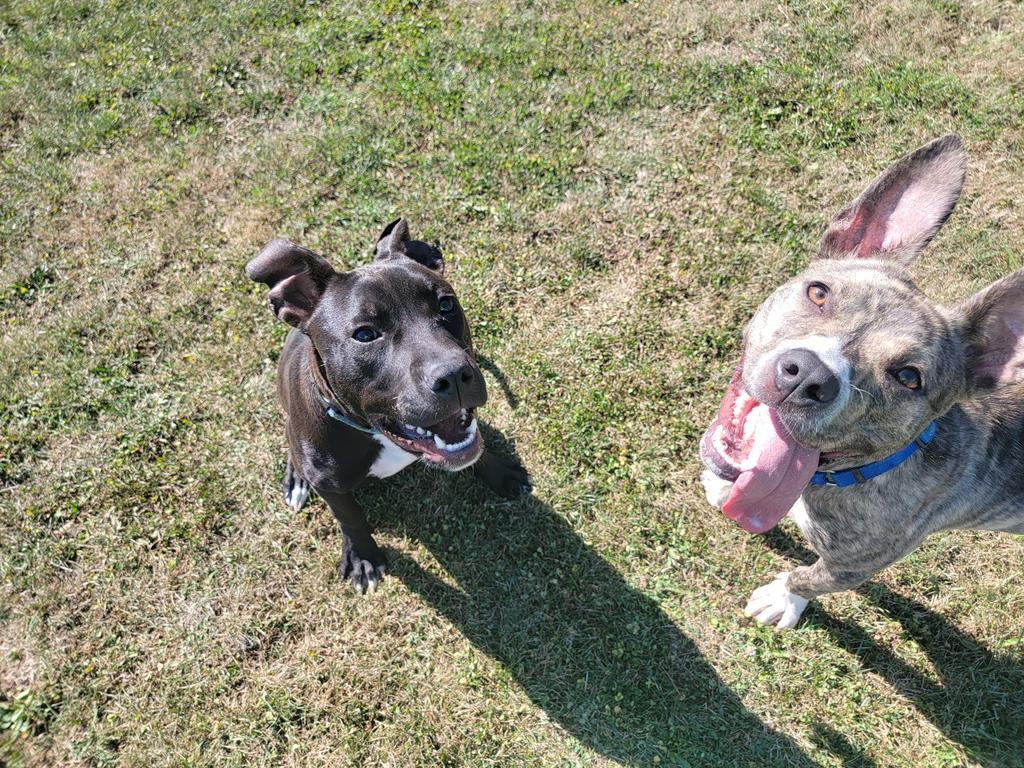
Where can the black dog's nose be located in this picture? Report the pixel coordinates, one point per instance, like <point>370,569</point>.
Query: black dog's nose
<point>804,380</point>
<point>450,381</point>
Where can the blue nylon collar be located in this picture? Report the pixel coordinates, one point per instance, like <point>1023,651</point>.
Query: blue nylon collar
<point>330,411</point>
<point>857,475</point>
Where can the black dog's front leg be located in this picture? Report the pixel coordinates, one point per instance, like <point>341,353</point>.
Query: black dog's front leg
<point>503,475</point>
<point>362,561</point>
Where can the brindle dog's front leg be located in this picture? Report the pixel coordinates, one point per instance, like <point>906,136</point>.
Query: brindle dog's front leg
<point>781,602</point>
<point>362,561</point>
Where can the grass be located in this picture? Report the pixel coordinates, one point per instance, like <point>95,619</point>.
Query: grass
<point>617,186</point>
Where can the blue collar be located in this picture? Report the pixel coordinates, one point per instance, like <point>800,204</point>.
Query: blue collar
<point>848,477</point>
<point>334,414</point>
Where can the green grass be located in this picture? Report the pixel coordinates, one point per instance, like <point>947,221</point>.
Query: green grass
<point>617,186</point>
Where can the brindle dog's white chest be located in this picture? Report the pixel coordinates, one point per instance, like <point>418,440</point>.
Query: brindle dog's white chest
<point>391,459</point>
<point>798,514</point>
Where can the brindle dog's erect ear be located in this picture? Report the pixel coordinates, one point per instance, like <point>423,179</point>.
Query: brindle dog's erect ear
<point>394,243</point>
<point>901,210</point>
<point>993,328</point>
<point>297,278</point>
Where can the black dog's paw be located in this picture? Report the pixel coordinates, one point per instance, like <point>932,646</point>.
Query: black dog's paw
<point>294,488</point>
<point>362,565</point>
<point>505,476</point>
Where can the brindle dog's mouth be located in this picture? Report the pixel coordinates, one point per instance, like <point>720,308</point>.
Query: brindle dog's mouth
<point>748,445</point>
<point>830,458</point>
<point>453,442</point>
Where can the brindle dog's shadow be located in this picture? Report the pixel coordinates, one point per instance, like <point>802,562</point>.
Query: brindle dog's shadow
<point>978,700</point>
<point>599,657</point>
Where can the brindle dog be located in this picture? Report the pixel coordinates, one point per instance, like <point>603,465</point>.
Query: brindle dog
<point>848,365</point>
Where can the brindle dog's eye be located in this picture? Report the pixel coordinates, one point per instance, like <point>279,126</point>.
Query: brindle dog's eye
<point>909,377</point>
<point>817,293</point>
<point>445,304</point>
<point>365,334</point>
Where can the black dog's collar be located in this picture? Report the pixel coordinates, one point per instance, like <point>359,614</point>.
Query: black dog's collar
<point>328,402</point>
<point>330,411</point>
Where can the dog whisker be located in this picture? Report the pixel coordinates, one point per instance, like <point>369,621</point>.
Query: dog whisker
<point>862,392</point>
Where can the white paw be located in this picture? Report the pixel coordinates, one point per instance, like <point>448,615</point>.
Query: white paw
<point>775,604</point>
<point>298,494</point>
<point>715,488</point>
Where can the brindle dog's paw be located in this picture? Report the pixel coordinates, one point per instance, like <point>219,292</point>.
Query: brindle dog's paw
<point>294,488</point>
<point>505,476</point>
<point>716,489</point>
<point>364,566</point>
<point>775,604</point>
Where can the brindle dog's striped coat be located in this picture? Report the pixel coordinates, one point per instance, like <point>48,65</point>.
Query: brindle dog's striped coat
<point>875,326</point>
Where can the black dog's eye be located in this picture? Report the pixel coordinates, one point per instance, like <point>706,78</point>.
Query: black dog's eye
<point>908,377</point>
<point>818,294</point>
<point>365,334</point>
<point>445,304</point>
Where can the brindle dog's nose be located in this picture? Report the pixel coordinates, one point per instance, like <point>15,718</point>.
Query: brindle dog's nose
<point>449,382</point>
<point>804,380</point>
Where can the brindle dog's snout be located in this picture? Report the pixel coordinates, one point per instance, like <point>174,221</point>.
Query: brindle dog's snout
<point>803,380</point>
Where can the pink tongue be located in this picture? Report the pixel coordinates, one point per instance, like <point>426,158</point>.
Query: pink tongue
<point>772,476</point>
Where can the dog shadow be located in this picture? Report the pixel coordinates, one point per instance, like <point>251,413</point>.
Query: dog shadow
<point>832,741</point>
<point>600,658</point>
<point>977,696</point>
<point>499,376</point>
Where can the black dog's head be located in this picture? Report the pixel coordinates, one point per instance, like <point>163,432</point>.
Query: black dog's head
<point>391,340</point>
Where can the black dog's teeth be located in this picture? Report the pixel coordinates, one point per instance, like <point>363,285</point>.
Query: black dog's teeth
<point>420,431</point>
<point>466,421</point>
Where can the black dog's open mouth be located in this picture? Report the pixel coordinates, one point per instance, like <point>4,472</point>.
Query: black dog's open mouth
<point>453,442</point>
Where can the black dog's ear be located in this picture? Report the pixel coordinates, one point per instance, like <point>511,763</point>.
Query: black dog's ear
<point>392,239</point>
<point>902,209</point>
<point>394,242</point>
<point>297,278</point>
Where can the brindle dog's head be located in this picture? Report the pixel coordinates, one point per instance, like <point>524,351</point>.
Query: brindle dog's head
<point>856,360</point>
<point>392,345</point>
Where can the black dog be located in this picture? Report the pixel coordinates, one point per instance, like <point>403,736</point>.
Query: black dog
<point>377,373</point>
